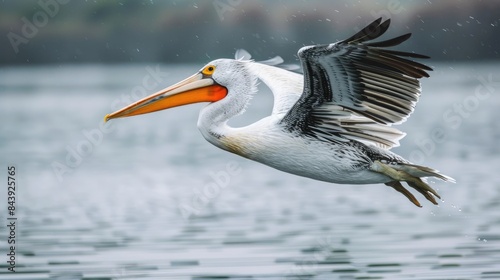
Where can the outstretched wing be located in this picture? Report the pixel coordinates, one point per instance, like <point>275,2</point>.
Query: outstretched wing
<point>355,89</point>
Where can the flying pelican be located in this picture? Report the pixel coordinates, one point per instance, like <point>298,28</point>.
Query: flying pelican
<point>333,123</point>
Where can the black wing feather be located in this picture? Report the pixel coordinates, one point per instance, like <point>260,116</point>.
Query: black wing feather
<point>370,32</point>
<point>406,54</point>
<point>391,42</point>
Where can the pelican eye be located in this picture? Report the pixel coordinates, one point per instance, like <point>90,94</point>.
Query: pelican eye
<point>209,70</point>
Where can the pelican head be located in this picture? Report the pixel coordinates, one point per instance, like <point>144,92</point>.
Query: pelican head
<point>227,84</point>
<point>220,81</point>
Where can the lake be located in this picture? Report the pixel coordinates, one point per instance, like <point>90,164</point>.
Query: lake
<point>148,198</point>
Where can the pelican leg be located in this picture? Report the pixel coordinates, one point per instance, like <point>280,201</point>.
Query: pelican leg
<point>397,186</point>
<point>425,190</point>
<point>413,181</point>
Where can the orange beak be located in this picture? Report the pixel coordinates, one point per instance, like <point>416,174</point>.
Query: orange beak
<point>191,90</point>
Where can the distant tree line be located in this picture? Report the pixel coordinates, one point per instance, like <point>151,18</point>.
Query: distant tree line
<point>60,31</point>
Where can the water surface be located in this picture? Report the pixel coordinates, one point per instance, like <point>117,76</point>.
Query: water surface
<point>119,207</point>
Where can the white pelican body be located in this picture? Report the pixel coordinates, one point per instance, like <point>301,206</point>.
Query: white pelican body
<point>267,142</point>
<point>341,164</point>
<point>333,124</point>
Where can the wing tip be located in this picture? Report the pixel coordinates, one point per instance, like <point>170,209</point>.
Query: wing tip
<point>242,55</point>
<point>373,30</point>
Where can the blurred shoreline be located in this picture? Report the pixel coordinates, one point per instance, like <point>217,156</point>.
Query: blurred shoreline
<point>70,32</point>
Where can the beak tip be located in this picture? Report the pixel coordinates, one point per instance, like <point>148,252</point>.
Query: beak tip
<point>107,118</point>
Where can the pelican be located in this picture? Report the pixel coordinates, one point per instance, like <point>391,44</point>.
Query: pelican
<point>333,123</point>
